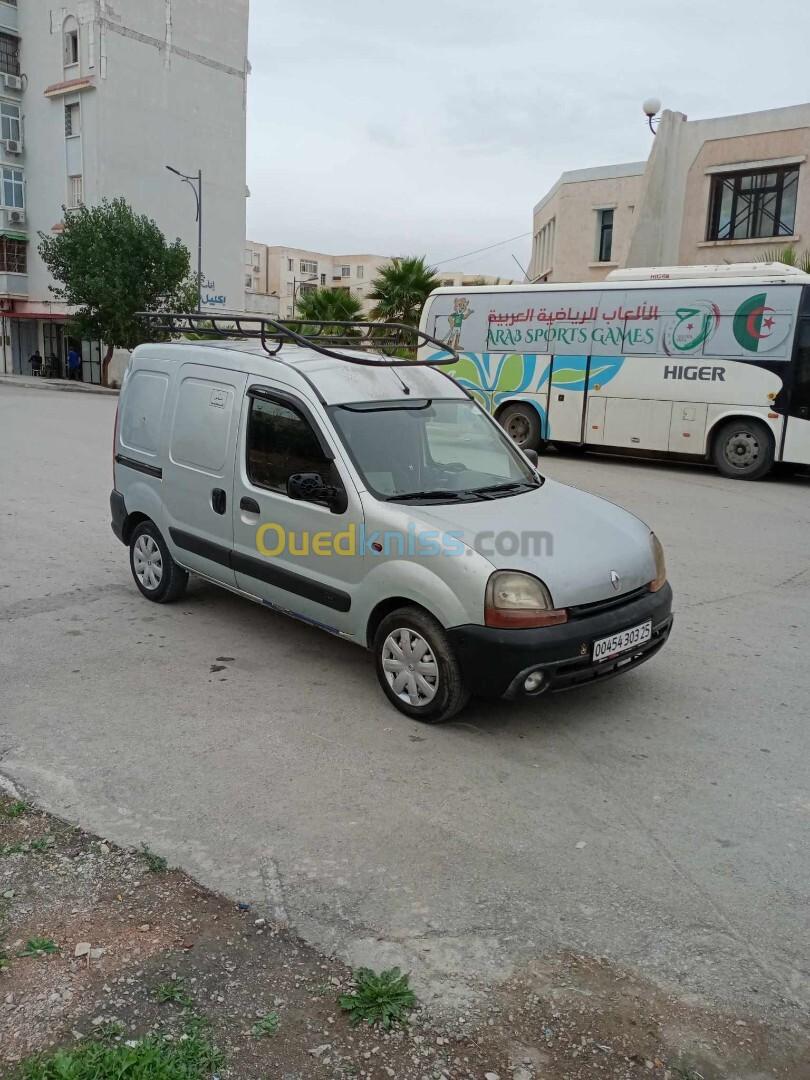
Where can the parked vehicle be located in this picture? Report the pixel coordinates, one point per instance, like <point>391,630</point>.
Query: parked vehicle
<point>373,498</point>
<point>707,362</point>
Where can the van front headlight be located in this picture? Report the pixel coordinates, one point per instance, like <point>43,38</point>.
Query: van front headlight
<point>515,599</point>
<point>660,579</point>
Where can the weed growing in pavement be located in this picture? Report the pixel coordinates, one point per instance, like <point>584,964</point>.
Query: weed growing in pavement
<point>174,990</point>
<point>5,959</point>
<point>24,847</point>
<point>268,1025</point>
<point>383,999</point>
<point>109,1032</point>
<point>39,946</point>
<point>153,1058</point>
<point>13,810</point>
<point>155,863</point>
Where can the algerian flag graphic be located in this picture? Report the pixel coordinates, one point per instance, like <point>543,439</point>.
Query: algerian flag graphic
<point>757,327</point>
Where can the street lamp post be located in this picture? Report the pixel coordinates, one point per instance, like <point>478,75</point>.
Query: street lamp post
<point>296,283</point>
<point>651,107</point>
<point>195,183</point>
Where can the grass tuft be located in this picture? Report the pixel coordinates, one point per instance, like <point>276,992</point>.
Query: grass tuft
<point>13,810</point>
<point>153,1058</point>
<point>383,999</point>
<point>155,863</point>
<point>268,1025</point>
<point>174,990</point>
<point>39,946</point>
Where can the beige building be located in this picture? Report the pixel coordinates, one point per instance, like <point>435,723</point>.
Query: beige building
<point>712,191</point>
<point>276,276</point>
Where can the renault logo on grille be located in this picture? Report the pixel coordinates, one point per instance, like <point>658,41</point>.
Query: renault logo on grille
<point>615,580</point>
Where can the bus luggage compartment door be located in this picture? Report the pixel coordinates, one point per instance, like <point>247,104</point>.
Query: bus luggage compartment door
<point>638,424</point>
<point>687,432</point>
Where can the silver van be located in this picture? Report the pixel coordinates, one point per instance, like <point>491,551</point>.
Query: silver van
<point>373,498</point>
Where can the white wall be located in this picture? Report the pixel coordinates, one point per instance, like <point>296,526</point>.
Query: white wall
<point>168,87</point>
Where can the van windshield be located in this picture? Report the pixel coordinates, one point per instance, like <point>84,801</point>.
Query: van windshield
<point>431,451</point>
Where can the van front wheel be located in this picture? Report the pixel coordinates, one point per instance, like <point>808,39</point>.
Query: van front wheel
<point>156,573</point>
<point>416,666</point>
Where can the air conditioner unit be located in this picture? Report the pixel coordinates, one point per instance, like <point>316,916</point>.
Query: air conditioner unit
<point>13,146</point>
<point>12,82</point>
<point>16,217</point>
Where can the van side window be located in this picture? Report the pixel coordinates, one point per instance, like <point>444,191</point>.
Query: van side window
<point>281,442</point>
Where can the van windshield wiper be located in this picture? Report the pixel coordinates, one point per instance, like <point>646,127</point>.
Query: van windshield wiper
<point>435,494</point>
<point>506,488</point>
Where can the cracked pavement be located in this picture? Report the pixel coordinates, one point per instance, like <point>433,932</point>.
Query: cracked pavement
<point>659,820</point>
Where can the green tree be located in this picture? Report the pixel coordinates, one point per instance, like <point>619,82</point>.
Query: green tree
<point>327,305</point>
<point>789,256</point>
<point>110,263</point>
<point>401,289</point>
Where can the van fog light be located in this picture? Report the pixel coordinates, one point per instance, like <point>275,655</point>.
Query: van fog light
<point>534,682</point>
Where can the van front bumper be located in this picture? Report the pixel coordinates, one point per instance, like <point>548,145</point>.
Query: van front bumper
<point>496,662</point>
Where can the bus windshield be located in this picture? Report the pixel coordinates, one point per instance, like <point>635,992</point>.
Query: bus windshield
<point>431,451</point>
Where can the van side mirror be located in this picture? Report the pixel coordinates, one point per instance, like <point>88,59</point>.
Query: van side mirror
<point>309,487</point>
<point>532,456</point>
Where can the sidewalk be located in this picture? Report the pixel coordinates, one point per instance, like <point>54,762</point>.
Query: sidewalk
<point>28,382</point>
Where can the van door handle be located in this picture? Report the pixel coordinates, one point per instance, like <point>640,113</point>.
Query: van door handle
<point>249,504</point>
<point>218,501</point>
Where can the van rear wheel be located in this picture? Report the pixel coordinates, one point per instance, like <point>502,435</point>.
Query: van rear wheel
<point>743,449</point>
<point>416,666</point>
<point>521,422</point>
<point>156,573</point>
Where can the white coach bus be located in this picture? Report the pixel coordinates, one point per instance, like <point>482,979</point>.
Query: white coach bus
<point>708,362</point>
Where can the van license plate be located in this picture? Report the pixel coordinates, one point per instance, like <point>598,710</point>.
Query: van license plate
<point>608,647</point>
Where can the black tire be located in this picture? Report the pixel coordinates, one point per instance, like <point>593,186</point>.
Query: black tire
<point>450,694</point>
<point>743,449</point>
<point>521,422</point>
<point>173,579</point>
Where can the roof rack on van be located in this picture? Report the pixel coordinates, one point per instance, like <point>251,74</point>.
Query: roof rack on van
<point>325,337</point>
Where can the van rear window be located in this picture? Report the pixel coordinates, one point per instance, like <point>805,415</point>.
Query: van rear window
<point>142,419</point>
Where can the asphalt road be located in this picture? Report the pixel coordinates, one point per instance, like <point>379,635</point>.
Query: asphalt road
<point>660,820</point>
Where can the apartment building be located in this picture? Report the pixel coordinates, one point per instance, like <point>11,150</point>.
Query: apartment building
<point>96,100</point>
<point>719,191</point>
<point>275,277</point>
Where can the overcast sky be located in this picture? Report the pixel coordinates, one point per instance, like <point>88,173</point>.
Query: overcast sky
<point>434,126</point>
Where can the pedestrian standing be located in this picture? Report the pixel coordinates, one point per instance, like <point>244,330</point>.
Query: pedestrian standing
<point>74,363</point>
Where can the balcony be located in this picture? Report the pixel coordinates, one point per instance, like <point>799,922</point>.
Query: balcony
<point>8,15</point>
<point>13,286</point>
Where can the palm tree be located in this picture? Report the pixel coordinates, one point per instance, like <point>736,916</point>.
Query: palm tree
<point>789,256</point>
<point>327,305</point>
<point>401,289</point>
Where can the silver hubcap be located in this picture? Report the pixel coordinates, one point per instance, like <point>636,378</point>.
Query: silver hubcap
<point>148,562</point>
<point>742,450</point>
<point>517,428</point>
<point>410,667</point>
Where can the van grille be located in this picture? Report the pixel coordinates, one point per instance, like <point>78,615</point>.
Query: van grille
<point>580,611</point>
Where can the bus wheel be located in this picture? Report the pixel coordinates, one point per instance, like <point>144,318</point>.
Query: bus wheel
<point>522,424</point>
<point>743,449</point>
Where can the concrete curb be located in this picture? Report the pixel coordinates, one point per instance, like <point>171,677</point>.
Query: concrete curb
<point>22,382</point>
